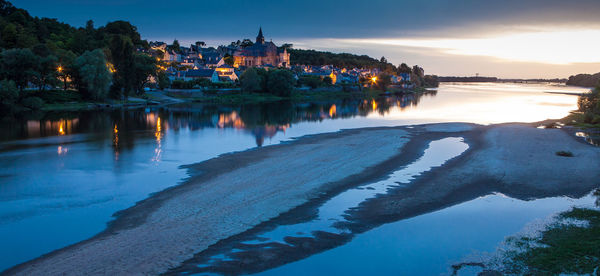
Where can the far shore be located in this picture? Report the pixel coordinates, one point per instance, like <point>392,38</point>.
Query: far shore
<point>235,193</point>
<point>222,96</point>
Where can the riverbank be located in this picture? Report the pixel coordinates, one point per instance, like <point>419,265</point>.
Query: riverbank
<point>332,93</point>
<point>255,187</point>
<point>71,101</point>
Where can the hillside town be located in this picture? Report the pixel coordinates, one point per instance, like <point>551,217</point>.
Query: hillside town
<point>225,64</point>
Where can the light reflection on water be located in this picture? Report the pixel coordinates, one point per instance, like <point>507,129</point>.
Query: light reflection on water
<point>62,175</point>
<point>332,211</point>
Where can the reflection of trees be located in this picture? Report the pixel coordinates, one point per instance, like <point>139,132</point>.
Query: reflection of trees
<point>260,120</point>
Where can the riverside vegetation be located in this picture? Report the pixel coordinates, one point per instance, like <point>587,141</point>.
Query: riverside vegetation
<point>46,64</point>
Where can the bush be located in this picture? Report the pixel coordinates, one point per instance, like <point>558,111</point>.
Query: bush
<point>250,81</point>
<point>34,103</point>
<point>281,82</point>
<point>311,81</point>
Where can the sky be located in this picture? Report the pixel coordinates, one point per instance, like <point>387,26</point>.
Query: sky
<point>503,38</point>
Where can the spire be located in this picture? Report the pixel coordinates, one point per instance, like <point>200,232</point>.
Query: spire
<point>260,38</point>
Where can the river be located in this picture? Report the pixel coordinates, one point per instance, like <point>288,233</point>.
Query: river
<point>64,174</point>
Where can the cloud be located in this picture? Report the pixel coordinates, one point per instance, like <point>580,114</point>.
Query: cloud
<point>548,47</point>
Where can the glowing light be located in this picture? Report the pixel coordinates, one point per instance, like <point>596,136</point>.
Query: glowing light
<point>60,69</point>
<point>116,130</point>
<point>332,111</point>
<point>111,67</point>
<point>374,79</point>
<point>62,151</point>
<point>560,46</point>
<point>374,105</point>
<point>158,133</point>
<point>61,128</point>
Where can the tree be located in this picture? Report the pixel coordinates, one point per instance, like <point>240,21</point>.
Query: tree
<point>175,47</point>
<point>250,81</point>
<point>122,52</point>
<point>328,80</point>
<point>287,46</point>
<point>383,81</point>
<point>281,82</point>
<point>66,66</point>
<point>246,43</point>
<point>311,81</point>
<point>200,44</point>
<point>383,60</point>
<point>46,72</point>
<point>19,65</point>
<point>162,80</point>
<point>95,76</point>
<point>9,94</point>
<point>228,59</point>
<point>9,36</point>
<point>403,68</point>
<point>144,67</point>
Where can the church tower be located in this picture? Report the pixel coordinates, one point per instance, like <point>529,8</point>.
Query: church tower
<point>260,39</point>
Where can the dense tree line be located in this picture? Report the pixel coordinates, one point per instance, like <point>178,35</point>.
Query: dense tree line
<point>343,60</point>
<point>468,79</point>
<point>97,62</point>
<point>586,80</point>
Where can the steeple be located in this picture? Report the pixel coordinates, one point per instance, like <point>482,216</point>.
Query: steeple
<point>260,39</point>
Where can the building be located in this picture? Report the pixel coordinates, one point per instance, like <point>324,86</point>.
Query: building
<point>209,74</point>
<point>261,54</point>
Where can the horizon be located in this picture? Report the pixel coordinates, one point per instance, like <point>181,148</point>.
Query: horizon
<point>486,39</point>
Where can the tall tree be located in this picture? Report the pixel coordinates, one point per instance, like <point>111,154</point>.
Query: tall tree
<point>144,67</point>
<point>19,65</point>
<point>250,81</point>
<point>122,55</point>
<point>94,74</point>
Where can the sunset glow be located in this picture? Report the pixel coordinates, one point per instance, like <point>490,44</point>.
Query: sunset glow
<point>549,47</point>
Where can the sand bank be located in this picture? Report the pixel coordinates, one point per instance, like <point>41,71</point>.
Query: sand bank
<point>233,193</point>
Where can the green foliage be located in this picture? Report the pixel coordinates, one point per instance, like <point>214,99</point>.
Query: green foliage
<point>344,60</point>
<point>34,103</point>
<point>162,80</point>
<point>383,81</point>
<point>56,96</point>
<point>19,65</point>
<point>144,67</point>
<point>404,69</point>
<point>431,81</point>
<point>281,82</point>
<point>95,77</point>
<point>586,80</point>
<point>9,94</point>
<point>311,81</point>
<point>250,81</point>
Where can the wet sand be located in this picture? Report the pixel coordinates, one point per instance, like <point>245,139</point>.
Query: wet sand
<point>234,193</point>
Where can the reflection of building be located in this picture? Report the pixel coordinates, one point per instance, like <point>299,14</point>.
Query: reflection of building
<point>261,54</point>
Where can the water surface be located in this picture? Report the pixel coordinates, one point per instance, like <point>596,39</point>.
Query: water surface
<point>63,174</point>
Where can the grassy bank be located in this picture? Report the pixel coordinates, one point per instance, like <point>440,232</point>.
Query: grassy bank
<point>571,245</point>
